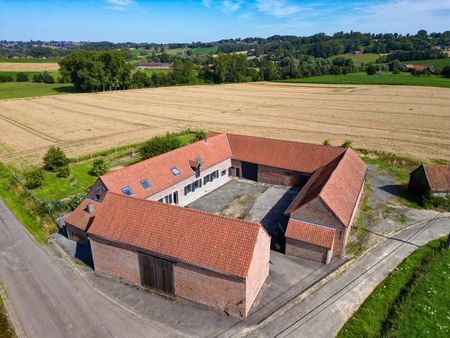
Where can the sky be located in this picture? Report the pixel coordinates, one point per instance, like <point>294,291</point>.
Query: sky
<point>210,20</point>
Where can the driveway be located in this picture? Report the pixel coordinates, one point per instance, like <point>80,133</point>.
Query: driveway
<point>51,299</point>
<point>322,313</point>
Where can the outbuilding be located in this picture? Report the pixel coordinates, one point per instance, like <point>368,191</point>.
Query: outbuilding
<point>430,180</point>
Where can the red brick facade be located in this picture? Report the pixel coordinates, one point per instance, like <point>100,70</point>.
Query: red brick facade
<point>306,250</point>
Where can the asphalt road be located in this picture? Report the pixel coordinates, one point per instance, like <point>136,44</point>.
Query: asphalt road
<point>51,299</point>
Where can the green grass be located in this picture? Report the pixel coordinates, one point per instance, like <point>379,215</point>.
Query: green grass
<point>379,79</point>
<point>438,64</point>
<point>55,74</point>
<point>411,302</point>
<point>364,58</point>
<point>30,60</point>
<point>204,50</point>
<point>6,330</point>
<point>56,188</point>
<point>18,208</point>
<point>12,90</point>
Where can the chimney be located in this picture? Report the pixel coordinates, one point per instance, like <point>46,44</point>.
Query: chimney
<point>90,209</point>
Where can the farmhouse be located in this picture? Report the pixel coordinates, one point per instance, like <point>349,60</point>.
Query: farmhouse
<point>430,180</point>
<point>138,229</point>
<point>419,68</point>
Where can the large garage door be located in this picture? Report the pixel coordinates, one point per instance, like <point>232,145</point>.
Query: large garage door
<point>306,251</point>
<point>156,273</point>
<point>250,171</point>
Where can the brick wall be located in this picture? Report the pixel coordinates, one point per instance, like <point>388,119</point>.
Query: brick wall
<point>306,250</point>
<point>278,176</point>
<point>97,191</point>
<point>209,288</point>
<point>76,234</point>
<point>115,261</point>
<point>259,268</point>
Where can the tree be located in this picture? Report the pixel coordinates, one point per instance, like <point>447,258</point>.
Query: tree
<point>55,159</point>
<point>446,71</point>
<point>371,69</point>
<point>47,78</point>
<point>268,71</point>
<point>22,77</point>
<point>5,78</point>
<point>63,171</point>
<point>99,167</point>
<point>34,177</point>
<point>347,144</point>
<point>182,71</point>
<point>159,145</point>
<point>140,80</point>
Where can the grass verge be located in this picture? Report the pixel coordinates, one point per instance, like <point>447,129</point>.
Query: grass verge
<point>405,79</point>
<point>412,301</point>
<point>16,204</point>
<point>6,329</point>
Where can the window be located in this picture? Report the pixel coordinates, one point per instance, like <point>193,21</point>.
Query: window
<point>340,234</point>
<point>198,184</point>
<point>206,179</point>
<point>168,199</point>
<point>175,171</point>
<point>230,171</point>
<point>223,173</point>
<point>145,184</point>
<point>161,200</point>
<point>187,189</point>
<point>127,191</point>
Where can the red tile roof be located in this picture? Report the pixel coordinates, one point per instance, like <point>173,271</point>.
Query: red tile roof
<point>438,178</point>
<point>337,184</point>
<point>157,169</point>
<point>80,217</point>
<point>297,156</point>
<point>310,233</point>
<point>209,241</point>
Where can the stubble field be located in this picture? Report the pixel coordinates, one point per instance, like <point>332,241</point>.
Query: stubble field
<point>408,120</point>
<point>28,67</point>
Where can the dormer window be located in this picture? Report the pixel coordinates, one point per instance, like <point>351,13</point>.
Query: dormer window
<point>145,184</point>
<point>199,160</point>
<point>175,171</point>
<point>127,191</point>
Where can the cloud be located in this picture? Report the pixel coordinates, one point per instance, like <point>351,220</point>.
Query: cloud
<point>119,5</point>
<point>278,8</point>
<point>226,6</point>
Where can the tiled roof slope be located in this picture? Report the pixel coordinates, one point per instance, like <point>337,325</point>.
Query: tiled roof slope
<point>157,169</point>
<point>297,156</point>
<point>80,217</point>
<point>210,241</point>
<point>438,177</point>
<point>337,184</point>
<point>310,233</point>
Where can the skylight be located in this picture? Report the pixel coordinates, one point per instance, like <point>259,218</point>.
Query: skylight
<point>175,171</point>
<point>127,191</point>
<point>145,184</point>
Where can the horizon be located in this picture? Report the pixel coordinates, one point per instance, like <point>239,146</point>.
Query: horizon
<point>142,21</point>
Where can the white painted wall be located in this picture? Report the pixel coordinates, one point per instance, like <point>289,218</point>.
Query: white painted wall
<point>199,192</point>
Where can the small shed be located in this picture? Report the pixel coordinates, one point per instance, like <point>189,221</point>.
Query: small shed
<point>430,180</point>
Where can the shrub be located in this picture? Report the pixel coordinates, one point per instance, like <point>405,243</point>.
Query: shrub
<point>47,78</point>
<point>396,71</point>
<point>63,172</point>
<point>6,78</point>
<point>371,69</point>
<point>22,77</point>
<point>347,144</point>
<point>159,145</point>
<point>326,142</point>
<point>200,135</point>
<point>446,71</point>
<point>54,159</point>
<point>99,167</point>
<point>34,177</point>
<point>37,78</point>
<point>75,201</point>
<point>437,202</point>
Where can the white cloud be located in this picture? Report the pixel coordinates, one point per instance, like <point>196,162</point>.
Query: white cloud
<point>226,6</point>
<point>119,5</point>
<point>278,8</point>
<point>207,3</point>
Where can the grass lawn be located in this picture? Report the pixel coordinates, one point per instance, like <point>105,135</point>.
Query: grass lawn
<point>411,302</point>
<point>378,79</point>
<point>11,90</point>
<point>56,188</point>
<point>18,208</point>
<point>438,64</point>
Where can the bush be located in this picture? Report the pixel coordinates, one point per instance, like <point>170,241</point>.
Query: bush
<point>75,201</point>
<point>54,159</point>
<point>346,144</point>
<point>99,167</point>
<point>159,145</point>
<point>47,78</point>
<point>371,70</point>
<point>326,142</point>
<point>63,172</point>
<point>440,203</point>
<point>22,77</point>
<point>6,78</point>
<point>446,71</point>
<point>34,177</point>
<point>200,135</point>
<point>37,78</point>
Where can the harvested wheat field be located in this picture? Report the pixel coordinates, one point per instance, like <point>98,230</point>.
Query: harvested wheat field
<point>28,67</point>
<point>408,120</point>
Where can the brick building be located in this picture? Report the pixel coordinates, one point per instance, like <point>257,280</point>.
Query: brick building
<point>430,180</point>
<point>138,229</point>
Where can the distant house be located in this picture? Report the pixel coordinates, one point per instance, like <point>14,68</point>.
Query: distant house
<point>419,68</point>
<point>154,65</point>
<point>430,180</point>
<point>357,53</point>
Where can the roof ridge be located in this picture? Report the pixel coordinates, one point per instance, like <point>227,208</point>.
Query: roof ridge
<point>195,211</point>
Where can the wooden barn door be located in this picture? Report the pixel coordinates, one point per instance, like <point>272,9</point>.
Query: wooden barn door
<point>157,273</point>
<point>250,171</point>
